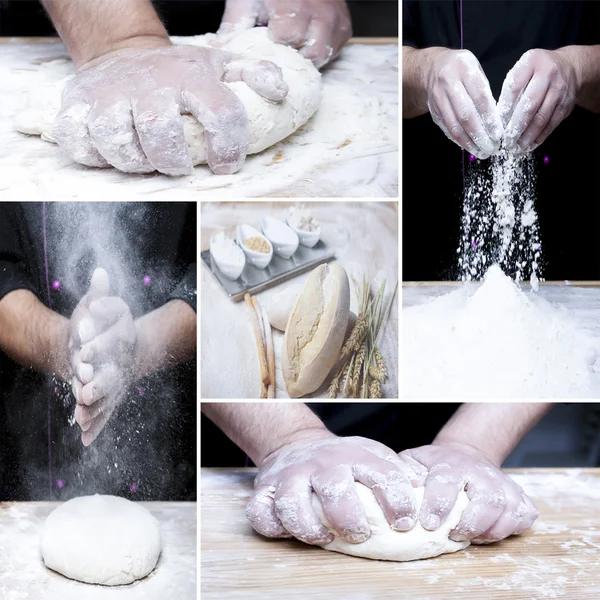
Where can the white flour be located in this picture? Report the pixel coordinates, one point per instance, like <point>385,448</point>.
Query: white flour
<point>494,341</point>
<point>499,223</point>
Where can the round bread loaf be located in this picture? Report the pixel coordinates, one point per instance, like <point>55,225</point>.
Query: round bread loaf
<point>315,330</point>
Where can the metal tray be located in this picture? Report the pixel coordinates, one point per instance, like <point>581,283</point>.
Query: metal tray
<point>253,280</point>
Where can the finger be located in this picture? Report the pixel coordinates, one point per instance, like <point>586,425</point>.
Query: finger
<point>442,487</point>
<point>92,392</point>
<point>528,105</point>
<point>263,76</point>
<point>85,372</point>
<point>392,489</point>
<point>486,504</point>
<point>293,507</point>
<point>225,123</point>
<point>560,113</point>
<point>97,425</point>
<point>86,331</point>
<point>239,15</point>
<point>109,345</point>
<point>418,468</point>
<point>99,287</point>
<point>443,115</point>
<point>509,521</point>
<point>77,388</point>
<point>516,81</point>
<point>260,511</point>
<point>70,131</point>
<point>288,23</point>
<point>478,89</point>
<point>159,125</point>
<point>111,128</point>
<point>108,310</point>
<point>539,120</point>
<point>318,47</point>
<point>336,490</point>
<point>107,382</point>
<point>470,120</point>
<point>84,415</point>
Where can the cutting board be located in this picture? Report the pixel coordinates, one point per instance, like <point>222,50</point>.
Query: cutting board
<point>348,149</point>
<point>23,575</point>
<point>558,558</point>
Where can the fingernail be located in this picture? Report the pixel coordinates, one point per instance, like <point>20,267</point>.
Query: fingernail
<point>404,524</point>
<point>358,537</point>
<point>431,522</point>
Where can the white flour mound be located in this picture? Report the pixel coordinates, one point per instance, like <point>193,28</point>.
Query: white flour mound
<point>270,122</point>
<point>493,341</point>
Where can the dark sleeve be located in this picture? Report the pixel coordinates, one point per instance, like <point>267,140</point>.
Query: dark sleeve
<point>14,272</point>
<point>186,288</point>
<point>411,34</point>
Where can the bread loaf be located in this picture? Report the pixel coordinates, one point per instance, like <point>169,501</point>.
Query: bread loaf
<point>315,330</point>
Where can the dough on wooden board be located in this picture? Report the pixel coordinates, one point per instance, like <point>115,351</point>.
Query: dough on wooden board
<point>387,544</point>
<point>101,539</point>
<point>270,122</point>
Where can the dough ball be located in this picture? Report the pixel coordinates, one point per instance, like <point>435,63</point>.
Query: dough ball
<point>101,539</point>
<point>387,544</point>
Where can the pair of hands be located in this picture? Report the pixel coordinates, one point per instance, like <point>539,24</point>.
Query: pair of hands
<point>124,108</point>
<point>281,505</point>
<point>102,338</point>
<point>537,94</point>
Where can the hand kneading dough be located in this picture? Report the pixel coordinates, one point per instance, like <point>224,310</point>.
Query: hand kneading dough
<point>387,544</point>
<point>315,330</point>
<point>101,539</point>
<point>270,122</point>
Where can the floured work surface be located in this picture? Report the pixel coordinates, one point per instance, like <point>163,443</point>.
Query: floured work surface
<point>497,341</point>
<point>558,558</point>
<point>23,575</point>
<point>364,237</point>
<point>348,149</point>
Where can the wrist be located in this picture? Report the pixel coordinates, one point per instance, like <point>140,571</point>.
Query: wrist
<point>570,55</point>
<point>468,449</point>
<point>120,47</point>
<point>296,436</point>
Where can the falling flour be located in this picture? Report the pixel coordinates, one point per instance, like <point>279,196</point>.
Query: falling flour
<point>492,340</point>
<point>499,222</point>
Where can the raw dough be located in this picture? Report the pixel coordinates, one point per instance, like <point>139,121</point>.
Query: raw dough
<point>101,539</point>
<point>387,544</point>
<point>270,122</point>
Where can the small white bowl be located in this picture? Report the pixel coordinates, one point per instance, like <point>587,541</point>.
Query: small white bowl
<point>231,270</point>
<point>259,259</point>
<point>307,238</point>
<point>284,239</point>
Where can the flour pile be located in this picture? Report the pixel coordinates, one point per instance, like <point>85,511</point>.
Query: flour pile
<point>499,223</point>
<point>494,341</point>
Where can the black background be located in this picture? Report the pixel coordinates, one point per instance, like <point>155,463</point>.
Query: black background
<point>371,18</point>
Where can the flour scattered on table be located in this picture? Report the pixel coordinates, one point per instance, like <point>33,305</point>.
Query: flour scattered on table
<point>494,341</point>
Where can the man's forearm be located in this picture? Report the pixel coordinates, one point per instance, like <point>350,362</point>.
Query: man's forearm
<point>586,61</point>
<point>493,429</point>
<point>165,337</point>
<point>33,335</point>
<point>91,28</point>
<point>416,64</point>
<point>260,428</point>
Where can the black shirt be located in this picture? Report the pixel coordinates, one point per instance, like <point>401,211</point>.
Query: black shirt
<point>498,33</point>
<point>147,450</point>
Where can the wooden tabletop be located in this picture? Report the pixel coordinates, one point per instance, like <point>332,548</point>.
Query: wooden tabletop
<point>558,558</point>
<point>23,575</point>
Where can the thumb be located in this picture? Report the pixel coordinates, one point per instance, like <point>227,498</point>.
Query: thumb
<point>99,285</point>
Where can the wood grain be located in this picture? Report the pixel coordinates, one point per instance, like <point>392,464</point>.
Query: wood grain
<point>558,558</point>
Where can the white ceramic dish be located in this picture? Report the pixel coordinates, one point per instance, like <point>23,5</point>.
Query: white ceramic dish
<point>284,239</point>
<point>259,259</point>
<point>307,238</point>
<point>230,269</point>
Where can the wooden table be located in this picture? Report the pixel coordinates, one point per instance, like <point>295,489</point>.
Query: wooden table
<point>558,558</point>
<point>23,575</point>
<point>348,149</point>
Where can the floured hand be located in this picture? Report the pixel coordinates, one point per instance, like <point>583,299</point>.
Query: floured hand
<point>322,463</point>
<point>498,506</point>
<point>125,108</point>
<point>537,94</point>
<point>317,28</point>
<point>461,103</point>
